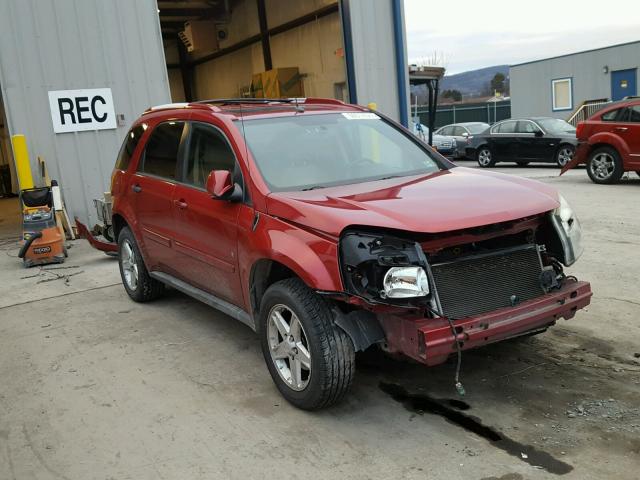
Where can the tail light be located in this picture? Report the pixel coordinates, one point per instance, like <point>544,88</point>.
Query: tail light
<point>579,129</point>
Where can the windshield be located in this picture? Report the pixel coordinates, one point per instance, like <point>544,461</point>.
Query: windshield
<point>556,126</point>
<point>477,128</point>
<point>303,152</point>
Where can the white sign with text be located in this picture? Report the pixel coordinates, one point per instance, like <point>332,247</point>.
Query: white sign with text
<point>80,110</point>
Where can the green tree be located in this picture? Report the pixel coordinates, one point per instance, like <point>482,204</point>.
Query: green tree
<point>455,95</point>
<point>497,83</point>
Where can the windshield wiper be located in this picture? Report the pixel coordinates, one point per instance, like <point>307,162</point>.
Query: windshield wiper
<point>313,187</point>
<point>389,177</point>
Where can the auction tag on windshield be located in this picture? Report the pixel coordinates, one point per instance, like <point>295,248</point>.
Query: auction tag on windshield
<point>360,116</point>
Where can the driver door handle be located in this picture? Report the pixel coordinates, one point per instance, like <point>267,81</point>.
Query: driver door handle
<point>621,129</point>
<point>181,204</point>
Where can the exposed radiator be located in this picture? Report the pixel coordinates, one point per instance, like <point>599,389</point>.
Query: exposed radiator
<point>481,283</point>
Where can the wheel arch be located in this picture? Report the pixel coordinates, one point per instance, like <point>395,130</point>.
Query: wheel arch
<point>264,273</point>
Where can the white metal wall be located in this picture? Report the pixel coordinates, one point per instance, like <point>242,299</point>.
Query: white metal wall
<point>75,44</point>
<point>530,83</point>
<point>374,55</point>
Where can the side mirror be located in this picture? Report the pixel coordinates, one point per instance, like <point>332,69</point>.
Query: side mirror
<point>221,187</point>
<point>465,134</point>
<point>538,133</point>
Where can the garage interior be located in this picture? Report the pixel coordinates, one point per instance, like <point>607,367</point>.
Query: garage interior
<point>9,206</point>
<point>220,49</point>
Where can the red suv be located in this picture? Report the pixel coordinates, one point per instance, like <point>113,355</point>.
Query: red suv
<point>328,228</point>
<point>609,142</point>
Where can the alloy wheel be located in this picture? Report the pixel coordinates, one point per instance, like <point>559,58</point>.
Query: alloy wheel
<point>484,157</point>
<point>129,265</point>
<point>602,166</point>
<point>289,347</point>
<point>565,155</point>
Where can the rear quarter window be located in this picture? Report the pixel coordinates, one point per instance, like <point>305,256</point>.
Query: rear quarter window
<point>128,146</point>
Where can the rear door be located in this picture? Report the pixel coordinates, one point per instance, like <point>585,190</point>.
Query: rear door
<point>152,187</point>
<point>206,229</point>
<point>504,141</point>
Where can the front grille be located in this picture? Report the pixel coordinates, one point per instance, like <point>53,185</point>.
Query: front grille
<point>481,283</point>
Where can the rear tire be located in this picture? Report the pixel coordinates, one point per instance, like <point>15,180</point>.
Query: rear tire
<point>604,166</point>
<point>564,155</point>
<point>311,360</point>
<point>135,277</point>
<point>484,157</point>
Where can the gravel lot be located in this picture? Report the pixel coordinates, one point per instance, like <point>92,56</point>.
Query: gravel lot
<point>94,386</point>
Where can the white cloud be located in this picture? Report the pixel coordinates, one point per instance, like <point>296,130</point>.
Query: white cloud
<point>474,35</point>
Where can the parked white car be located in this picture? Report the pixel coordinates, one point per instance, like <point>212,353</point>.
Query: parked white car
<point>444,144</point>
<point>462,133</point>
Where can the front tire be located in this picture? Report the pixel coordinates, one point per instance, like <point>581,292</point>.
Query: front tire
<point>484,157</point>
<point>135,277</point>
<point>310,359</point>
<point>564,155</point>
<point>605,166</point>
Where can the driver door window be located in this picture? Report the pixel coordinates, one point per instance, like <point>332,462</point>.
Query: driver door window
<point>208,150</point>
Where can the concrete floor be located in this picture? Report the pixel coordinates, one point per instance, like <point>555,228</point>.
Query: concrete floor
<point>94,386</point>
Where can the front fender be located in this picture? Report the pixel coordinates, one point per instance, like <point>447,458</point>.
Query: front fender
<point>312,257</point>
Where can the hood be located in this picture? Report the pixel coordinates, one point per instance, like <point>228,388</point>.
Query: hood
<point>448,200</point>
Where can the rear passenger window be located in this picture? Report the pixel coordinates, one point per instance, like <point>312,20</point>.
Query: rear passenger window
<point>128,146</point>
<point>610,116</point>
<point>161,152</point>
<point>208,150</point>
<point>506,127</point>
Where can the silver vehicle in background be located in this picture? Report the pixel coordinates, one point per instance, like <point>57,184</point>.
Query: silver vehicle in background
<point>463,134</point>
<point>444,145</point>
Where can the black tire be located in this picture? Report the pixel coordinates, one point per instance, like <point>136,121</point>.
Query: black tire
<point>638,172</point>
<point>598,173</point>
<point>145,288</point>
<point>484,157</point>
<point>564,154</point>
<point>108,233</point>
<point>330,349</point>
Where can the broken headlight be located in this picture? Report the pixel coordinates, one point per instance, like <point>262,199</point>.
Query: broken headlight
<point>569,231</point>
<point>384,268</point>
<point>405,282</point>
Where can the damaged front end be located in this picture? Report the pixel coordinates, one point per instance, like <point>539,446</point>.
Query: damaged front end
<point>435,294</point>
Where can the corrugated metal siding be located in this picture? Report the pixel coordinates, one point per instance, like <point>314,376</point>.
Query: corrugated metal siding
<point>374,54</point>
<point>531,82</point>
<point>73,44</point>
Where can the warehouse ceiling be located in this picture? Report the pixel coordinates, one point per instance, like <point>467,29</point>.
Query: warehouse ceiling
<point>173,14</point>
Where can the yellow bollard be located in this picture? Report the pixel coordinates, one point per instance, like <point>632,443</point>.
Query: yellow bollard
<point>21,157</point>
<point>372,106</point>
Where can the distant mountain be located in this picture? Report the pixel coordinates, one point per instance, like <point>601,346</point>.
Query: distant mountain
<point>472,83</point>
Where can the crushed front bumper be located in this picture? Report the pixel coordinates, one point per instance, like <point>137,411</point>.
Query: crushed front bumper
<point>430,341</point>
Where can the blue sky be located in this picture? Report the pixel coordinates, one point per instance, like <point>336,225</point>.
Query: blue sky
<point>469,35</point>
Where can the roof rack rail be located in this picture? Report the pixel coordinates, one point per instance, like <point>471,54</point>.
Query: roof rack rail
<point>232,101</point>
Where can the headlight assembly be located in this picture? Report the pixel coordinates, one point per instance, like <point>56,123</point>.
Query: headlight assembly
<point>385,268</point>
<point>569,231</point>
<point>405,282</point>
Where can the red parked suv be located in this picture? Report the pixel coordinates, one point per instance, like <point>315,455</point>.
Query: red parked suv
<point>609,142</point>
<point>328,228</point>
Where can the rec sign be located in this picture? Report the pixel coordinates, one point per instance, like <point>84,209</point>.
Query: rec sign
<point>78,110</point>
